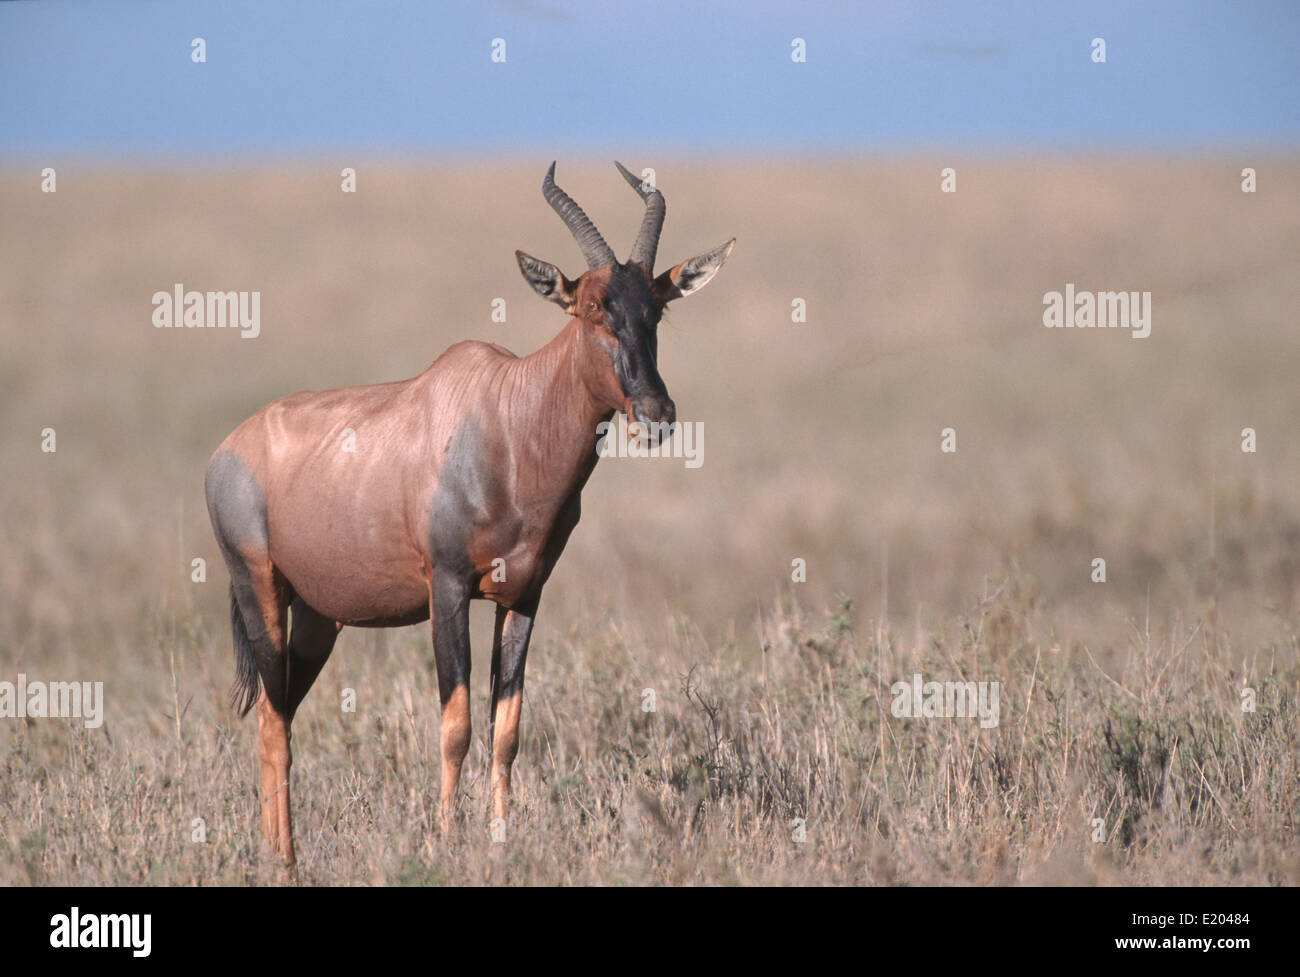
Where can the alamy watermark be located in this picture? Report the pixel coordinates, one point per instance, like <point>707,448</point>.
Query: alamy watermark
<point>53,700</point>
<point>1098,310</point>
<point>208,310</point>
<point>656,439</point>
<point>99,931</point>
<point>946,700</point>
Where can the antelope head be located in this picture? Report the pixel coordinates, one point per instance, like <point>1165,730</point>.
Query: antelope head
<point>619,305</point>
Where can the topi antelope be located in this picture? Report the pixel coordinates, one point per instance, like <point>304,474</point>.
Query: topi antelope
<point>480,459</point>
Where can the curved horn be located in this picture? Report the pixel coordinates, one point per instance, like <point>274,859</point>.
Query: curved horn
<point>647,238</point>
<point>594,248</point>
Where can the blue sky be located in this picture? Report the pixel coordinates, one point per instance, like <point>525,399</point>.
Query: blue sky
<point>407,78</point>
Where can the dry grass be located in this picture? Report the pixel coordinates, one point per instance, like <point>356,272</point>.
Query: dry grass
<point>1119,701</point>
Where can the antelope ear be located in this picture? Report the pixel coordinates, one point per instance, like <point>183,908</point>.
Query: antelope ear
<point>547,281</point>
<point>692,274</point>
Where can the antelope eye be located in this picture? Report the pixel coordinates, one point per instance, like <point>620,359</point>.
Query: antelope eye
<point>592,306</point>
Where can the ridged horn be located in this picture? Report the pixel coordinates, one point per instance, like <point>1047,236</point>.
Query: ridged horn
<point>647,238</point>
<point>594,249</point>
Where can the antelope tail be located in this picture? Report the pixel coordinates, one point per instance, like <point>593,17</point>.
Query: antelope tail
<point>247,684</point>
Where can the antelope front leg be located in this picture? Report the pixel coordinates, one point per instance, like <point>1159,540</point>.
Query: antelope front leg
<point>450,606</point>
<point>514,627</point>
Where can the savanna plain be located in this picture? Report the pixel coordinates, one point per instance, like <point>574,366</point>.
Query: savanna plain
<point>1148,729</point>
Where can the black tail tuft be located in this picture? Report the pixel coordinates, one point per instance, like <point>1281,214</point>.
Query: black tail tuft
<point>247,684</point>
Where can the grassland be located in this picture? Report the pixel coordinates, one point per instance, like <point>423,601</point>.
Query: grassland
<point>1120,701</point>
